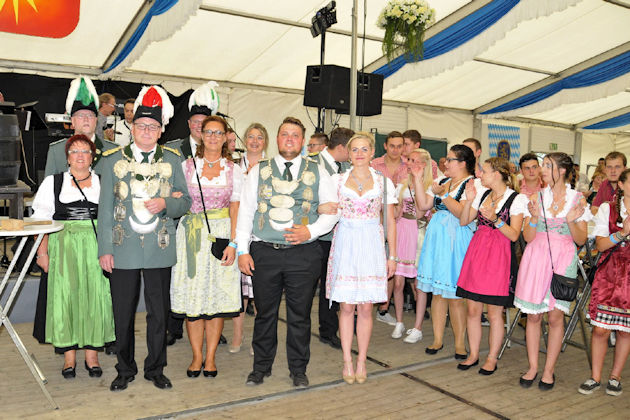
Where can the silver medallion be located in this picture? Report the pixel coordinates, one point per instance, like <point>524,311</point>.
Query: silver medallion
<point>265,172</point>
<point>120,212</point>
<point>165,189</point>
<point>163,237</point>
<point>280,215</point>
<point>284,187</point>
<point>261,222</point>
<point>308,178</point>
<point>306,207</point>
<point>121,190</point>
<point>262,207</point>
<point>282,201</point>
<point>118,234</point>
<point>307,194</point>
<point>265,192</point>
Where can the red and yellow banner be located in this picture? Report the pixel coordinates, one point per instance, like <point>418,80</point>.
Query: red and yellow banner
<point>45,18</point>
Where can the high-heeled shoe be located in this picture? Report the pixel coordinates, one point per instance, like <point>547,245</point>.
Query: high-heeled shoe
<point>235,349</point>
<point>360,378</point>
<point>94,371</point>
<point>349,379</point>
<point>69,372</point>
<point>210,373</point>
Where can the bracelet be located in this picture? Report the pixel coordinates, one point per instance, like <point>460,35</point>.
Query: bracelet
<point>232,244</point>
<point>444,196</point>
<point>392,258</point>
<point>613,239</point>
<point>533,224</point>
<point>39,256</point>
<point>239,253</point>
<point>500,225</point>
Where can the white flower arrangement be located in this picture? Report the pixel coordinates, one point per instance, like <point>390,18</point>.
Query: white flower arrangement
<point>404,22</point>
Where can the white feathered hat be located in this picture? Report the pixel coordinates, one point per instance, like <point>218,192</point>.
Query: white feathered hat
<point>153,102</point>
<point>204,100</point>
<point>81,95</point>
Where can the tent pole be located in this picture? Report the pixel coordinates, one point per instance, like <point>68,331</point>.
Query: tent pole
<point>353,69</point>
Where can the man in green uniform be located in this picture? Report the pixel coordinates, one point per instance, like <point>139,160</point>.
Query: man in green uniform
<point>81,105</point>
<point>143,190</point>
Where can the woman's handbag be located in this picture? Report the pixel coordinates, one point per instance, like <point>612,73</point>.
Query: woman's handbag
<point>562,287</point>
<point>218,244</point>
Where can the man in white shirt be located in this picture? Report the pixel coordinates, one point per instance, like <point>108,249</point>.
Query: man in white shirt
<point>278,215</point>
<point>123,128</point>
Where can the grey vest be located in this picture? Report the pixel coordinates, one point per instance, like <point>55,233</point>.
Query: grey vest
<point>282,203</point>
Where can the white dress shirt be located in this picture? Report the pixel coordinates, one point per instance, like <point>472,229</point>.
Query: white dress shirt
<point>137,153</point>
<point>249,202</point>
<point>193,145</point>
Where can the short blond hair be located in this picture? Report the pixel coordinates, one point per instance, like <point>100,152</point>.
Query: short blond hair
<point>361,135</point>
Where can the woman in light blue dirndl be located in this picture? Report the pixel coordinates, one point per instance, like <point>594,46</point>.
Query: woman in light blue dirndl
<point>445,245</point>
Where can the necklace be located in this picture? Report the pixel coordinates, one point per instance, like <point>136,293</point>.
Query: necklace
<point>495,199</point>
<point>84,179</point>
<point>211,164</point>
<point>359,184</point>
<point>555,203</point>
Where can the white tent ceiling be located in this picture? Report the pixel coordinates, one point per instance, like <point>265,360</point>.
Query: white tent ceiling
<point>269,44</point>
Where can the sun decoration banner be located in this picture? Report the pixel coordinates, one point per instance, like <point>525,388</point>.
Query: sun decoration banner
<point>504,141</point>
<point>45,18</point>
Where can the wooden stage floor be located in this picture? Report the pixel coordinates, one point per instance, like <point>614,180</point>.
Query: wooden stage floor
<point>404,382</point>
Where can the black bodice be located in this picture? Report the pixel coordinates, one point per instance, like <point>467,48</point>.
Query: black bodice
<point>77,210</point>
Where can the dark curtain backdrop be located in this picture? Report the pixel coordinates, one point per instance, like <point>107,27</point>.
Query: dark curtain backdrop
<point>50,92</point>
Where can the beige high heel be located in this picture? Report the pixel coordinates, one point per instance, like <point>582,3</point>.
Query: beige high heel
<point>349,379</point>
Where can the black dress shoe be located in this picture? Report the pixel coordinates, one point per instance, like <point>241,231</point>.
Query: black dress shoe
<point>526,383</point>
<point>429,350</point>
<point>222,339</point>
<point>95,371</point>
<point>172,338</point>
<point>257,377</point>
<point>485,372</point>
<point>210,373</point>
<point>300,380</point>
<point>332,341</point>
<point>544,386</point>
<point>110,348</point>
<point>461,356</point>
<point>120,382</point>
<point>462,366</point>
<point>160,381</point>
<point>69,372</point>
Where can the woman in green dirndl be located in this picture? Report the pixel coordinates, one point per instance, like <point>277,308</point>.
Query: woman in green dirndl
<point>79,305</point>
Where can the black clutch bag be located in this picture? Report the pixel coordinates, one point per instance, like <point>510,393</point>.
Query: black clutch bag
<point>218,246</point>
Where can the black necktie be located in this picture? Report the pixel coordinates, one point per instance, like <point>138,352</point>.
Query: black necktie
<point>338,167</point>
<point>145,157</point>
<point>287,173</point>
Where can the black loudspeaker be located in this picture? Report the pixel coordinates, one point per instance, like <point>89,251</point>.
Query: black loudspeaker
<point>328,87</point>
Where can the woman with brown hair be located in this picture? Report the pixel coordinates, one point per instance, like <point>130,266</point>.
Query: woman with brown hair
<point>489,271</point>
<point>205,287</point>
<point>445,246</point>
<point>555,221</point>
<point>79,303</point>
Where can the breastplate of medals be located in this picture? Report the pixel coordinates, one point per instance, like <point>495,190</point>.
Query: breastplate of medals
<point>280,199</point>
<point>146,181</point>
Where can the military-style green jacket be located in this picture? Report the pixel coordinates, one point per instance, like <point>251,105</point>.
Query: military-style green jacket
<point>183,146</point>
<point>119,183</point>
<point>56,161</point>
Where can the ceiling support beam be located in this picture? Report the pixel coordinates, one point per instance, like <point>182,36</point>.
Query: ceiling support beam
<point>607,55</point>
<point>50,67</point>
<point>604,117</point>
<point>131,28</point>
<point>512,66</point>
<point>280,21</point>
